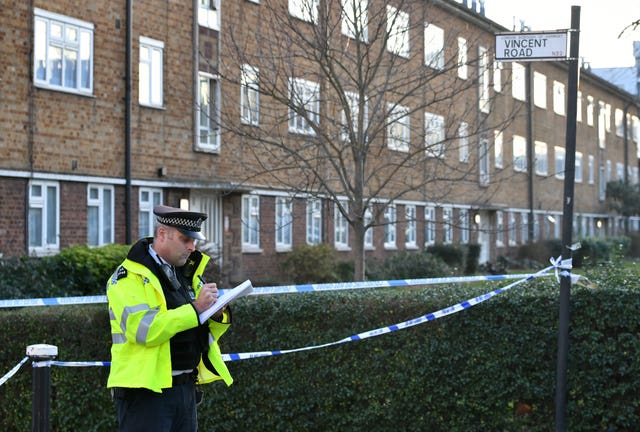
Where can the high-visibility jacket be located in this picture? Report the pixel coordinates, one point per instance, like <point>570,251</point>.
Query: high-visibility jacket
<point>141,327</point>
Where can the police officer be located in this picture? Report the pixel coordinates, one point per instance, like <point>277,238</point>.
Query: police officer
<point>160,349</point>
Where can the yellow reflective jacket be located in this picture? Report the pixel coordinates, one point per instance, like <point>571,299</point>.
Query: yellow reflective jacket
<point>141,327</point>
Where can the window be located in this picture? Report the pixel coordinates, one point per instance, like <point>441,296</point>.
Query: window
<point>602,125</point>
<point>498,149</point>
<point>306,10</point>
<point>355,21</point>
<point>463,134</point>
<point>304,111</point>
<point>541,158</point>
<point>618,118</point>
<point>250,222</point>
<point>99,215</point>
<point>558,98</point>
<point>433,46</point>
<point>519,153</point>
<point>590,109</point>
<point>390,226</point>
<point>463,59</point>
<point>62,53</point>
<point>410,227</point>
<point>249,96</point>
<point>497,76</point>
<point>351,125</point>
<point>208,15</point>
<point>591,169</point>
<point>447,225</point>
<point>540,90</point>
<point>579,107</point>
<point>512,229</point>
<point>368,234</point>
<point>397,31</point>
<point>499,229</point>
<point>44,214</point>
<point>398,128</point>
<point>483,80</point>
<point>150,72</point>
<point>429,226</point>
<point>314,221</point>
<point>340,227</point>
<point>524,227</point>
<point>464,225</point>
<point>434,135</point>
<point>602,183</point>
<point>619,171</point>
<point>559,157</point>
<point>147,200</point>
<point>483,161</point>
<point>208,113</point>
<point>578,169</point>
<point>518,81</point>
<point>284,224</point>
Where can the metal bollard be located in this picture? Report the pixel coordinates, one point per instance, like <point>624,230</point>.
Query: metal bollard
<point>41,386</point>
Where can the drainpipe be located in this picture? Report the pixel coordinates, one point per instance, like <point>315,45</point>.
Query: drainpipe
<point>530,152</point>
<point>127,127</point>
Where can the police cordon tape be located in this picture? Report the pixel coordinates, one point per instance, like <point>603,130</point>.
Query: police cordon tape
<point>561,268</point>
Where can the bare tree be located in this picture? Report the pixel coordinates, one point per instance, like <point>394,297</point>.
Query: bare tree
<point>348,115</point>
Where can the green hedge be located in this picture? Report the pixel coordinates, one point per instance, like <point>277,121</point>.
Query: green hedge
<point>489,368</point>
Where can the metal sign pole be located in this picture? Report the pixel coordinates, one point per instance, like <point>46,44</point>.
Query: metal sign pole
<point>567,223</point>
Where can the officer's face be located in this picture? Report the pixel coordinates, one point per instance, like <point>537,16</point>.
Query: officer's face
<point>176,246</point>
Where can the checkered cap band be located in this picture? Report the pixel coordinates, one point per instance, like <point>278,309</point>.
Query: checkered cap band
<point>181,222</point>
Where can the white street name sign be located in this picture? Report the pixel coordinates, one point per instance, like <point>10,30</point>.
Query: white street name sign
<point>531,46</point>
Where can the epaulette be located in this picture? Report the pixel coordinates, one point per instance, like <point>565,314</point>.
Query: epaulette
<point>120,273</point>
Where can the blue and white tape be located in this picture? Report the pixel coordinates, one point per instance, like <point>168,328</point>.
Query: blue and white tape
<point>13,371</point>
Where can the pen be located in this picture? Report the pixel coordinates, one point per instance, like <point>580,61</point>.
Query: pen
<point>201,279</point>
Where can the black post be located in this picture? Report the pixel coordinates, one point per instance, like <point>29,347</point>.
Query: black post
<point>41,386</point>
<point>567,222</point>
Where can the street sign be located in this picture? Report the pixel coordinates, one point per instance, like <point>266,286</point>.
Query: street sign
<point>530,46</point>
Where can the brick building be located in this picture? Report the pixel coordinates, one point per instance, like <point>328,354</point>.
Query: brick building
<point>109,108</point>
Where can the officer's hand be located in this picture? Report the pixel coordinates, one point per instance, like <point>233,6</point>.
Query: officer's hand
<point>206,298</point>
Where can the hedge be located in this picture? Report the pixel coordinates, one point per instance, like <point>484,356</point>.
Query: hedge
<point>489,368</point>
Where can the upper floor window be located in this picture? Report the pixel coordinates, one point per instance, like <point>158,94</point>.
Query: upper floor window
<point>591,169</point>
<point>410,226</point>
<point>397,31</point>
<point>390,227</point>
<point>579,107</point>
<point>578,169</point>
<point>150,72</point>
<point>559,158</point>
<point>497,76</point>
<point>100,215</point>
<point>147,200</point>
<point>62,52</point>
<point>250,222</point>
<point>208,113</point>
<point>519,153</point>
<point>541,160</point>
<point>433,46</point>
<point>463,134</point>
<point>518,82</point>
<point>539,89</point>
<point>463,59</point>
<point>498,149</point>
<point>284,223</point>
<point>483,161</point>
<point>350,117</point>
<point>590,110</point>
<point>483,80</point>
<point>249,95</point>
<point>306,10</point>
<point>314,221</point>
<point>44,217</point>
<point>355,20</point>
<point>398,128</point>
<point>304,112</point>
<point>558,98</point>
<point>209,14</point>
<point>619,122</point>
<point>434,135</point>
<point>602,125</point>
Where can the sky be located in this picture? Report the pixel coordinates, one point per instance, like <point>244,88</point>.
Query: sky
<point>601,21</point>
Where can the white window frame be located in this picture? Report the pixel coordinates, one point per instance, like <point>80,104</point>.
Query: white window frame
<point>540,89</point>
<point>397,32</point>
<point>483,162</point>
<point>524,227</point>
<point>447,225</point>
<point>499,229</point>
<point>208,112</point>
<point>249,95</point>
<point>559,156</point>
<point>306,10</point>
<point>463,58</point>
<point>398,128</point>
<point>314,221</point>
<point>519,153</point>
<point>590,110</point>
<point>518,81</point>
<point>209,14</point>
<point>434,135</point>
<point>410,232</point>
<point>390,226</point>
<point>429,225</point>
<point>591,168</point>
<point>150,83</point>
<point>353,100</point>
<point>463,134</point>
<point>579,107</point>
<point>250,223</point>
<point>67,36</point>
<point>283,224</point>
<point>541,158</point>
<point>340,227</point>
<point>559,98</point>
<point>498,148</point>
<point>497,76</point>
<point>368,234</point>
<point>148,198</point>
<point>484,98</point>
<point>618,116</point>
<point>100,199</point>
<point>463,217</point>
<point>512,229</point>
<point>433,46</point>
<point>355,19</point>
<point>305,95</point>
<point>46,215</point>
<point>578,168</point>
